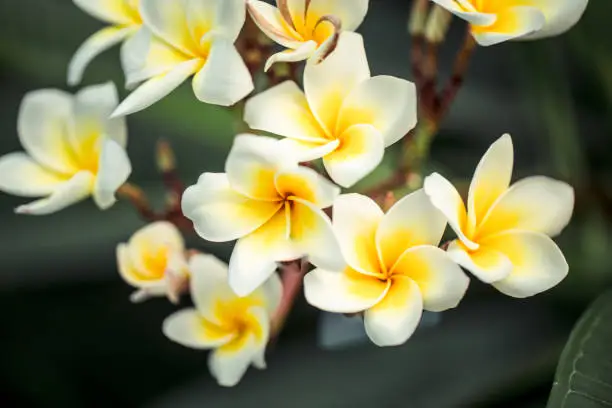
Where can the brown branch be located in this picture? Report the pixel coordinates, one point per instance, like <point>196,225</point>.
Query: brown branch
<point>457,77</point>
<point>292,276</point>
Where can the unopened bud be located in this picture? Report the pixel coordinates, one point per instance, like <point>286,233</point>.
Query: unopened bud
<point>165,157</point>
<point>437,24</point>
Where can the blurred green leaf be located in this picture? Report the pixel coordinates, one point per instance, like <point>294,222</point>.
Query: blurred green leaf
<point>584,374</point>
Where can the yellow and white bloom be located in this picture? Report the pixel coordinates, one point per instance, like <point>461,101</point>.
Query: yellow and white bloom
<point>153,260</point>
<point>394,267</point>
<point>124,19</point>
<point>504,233</point>
<point>306,27</point>
<point>344,115</point>
<point>496,21</point>
<point>237,329</point>
<point>182,38</point>
<point>272,206</point>
<point>73,150</point>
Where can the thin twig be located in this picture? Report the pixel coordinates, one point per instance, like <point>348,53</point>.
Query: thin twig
<point>292,276</point>
<point>458,75</point>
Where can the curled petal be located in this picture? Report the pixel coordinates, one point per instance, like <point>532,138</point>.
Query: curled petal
<point>467,12</point>
<point>308,151</point>
<point>114,170</point>
<point>560,16</point>
<point>189,329</point>
<point>270,20</point>
<point>68,193</point>
<point>392,321</point>
<point>92,47</point>
<point>486,263</point>
<point>110,11</point>
<point>301,52</point>
<point>346,291</point>
<point>511,23</point>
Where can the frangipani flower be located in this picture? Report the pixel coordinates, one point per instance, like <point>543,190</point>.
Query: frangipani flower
<point>182,38</point>
<point>504,234</point>
<point>344,116</point>
<point>496,21</point>
<point>395,269</point>
<point>267,202</point>
<point>73,150</point>
<point>236,328</point>
<point>154,262</point>
<point>124,19</point>
<point>306,27</point>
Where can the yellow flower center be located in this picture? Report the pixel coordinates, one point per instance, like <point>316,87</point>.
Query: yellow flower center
<point>131,10</point>
<point>155,260</point>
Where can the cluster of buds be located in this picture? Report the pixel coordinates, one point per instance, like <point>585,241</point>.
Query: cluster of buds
<point>281,199</point>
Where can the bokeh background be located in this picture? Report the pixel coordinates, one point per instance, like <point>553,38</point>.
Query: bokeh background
<point>71,338</point>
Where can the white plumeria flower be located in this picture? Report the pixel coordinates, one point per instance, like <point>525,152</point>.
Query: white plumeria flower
<point>124,19</point>
<point>344,116</point>
<point>306,27</point>
<point>504,234</point>
<point>182,38</point>
<point>154,262</point>
<point>270,204</point>
<point>496,21</point>
<point>237,328</point>
<point>73,150</point>
<point>395,269</point>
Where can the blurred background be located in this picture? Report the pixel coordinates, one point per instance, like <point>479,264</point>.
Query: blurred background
<point>71,338</point>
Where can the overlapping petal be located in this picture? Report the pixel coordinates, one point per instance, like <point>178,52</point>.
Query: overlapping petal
<point>511,23</point>
<point>307,185</point>
<point>486,263</point>
<point>114,170</point>
<point>22,176</point>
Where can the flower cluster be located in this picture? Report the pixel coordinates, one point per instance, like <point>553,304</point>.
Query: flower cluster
<point>281,199</point>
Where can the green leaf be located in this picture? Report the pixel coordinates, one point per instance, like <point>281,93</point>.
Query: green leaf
<point>584,373</point>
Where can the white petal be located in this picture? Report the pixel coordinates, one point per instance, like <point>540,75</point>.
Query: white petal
<point>255,256</point>
<point>228,364</point>
<point>538,263</point>
<point>512,23</point>
<point>221,214</point>
<point>356,219</point>
<point>144,56</point>
<point>306,184</point>
<point>491,179</point>
<point>110,11</point>
<point>156,88</point>
<point>224,79</point>
<point>283,110</point>
<point>561,15</point>
<point>272,291</point>
<point>392,321</point>
<point>92,107</point>
<point>441,282</point>
<point>115,168</point>
<point>228,16</point>
<point>168,20</point>
<point>328,83</point>
<point>350,12</point>
<point>270,21</point>
<point>189,329</point>
<point>537,204</point>
<point>472,16</point>
<point>446,198</point>
<point>302,52</point>
<point>486,263</point>
<point>132,270</point>
<point>209,285</point>
<point>252,164</point>
<point>361,150</point>
<point>345,291</point>
<point>92,47</point>
<point>312,232</point>
<point>411,222</point>
<point>68,193</point>
<point>308,151</point>
<point>45,127</point>
<point>387,103</point>
<point>22,176</point>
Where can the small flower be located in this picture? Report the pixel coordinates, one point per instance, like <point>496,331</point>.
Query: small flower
<point>496,21</point>
<point>306,27</point>
<point>504,234</point>
<point>395,269</point>
<point>154,262</point>
<point>236,328</point>
<point>344,116</point>
<point>73,150</point>
<point>124,19</point>
<point>182,38</point>
<point>272,206</point>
